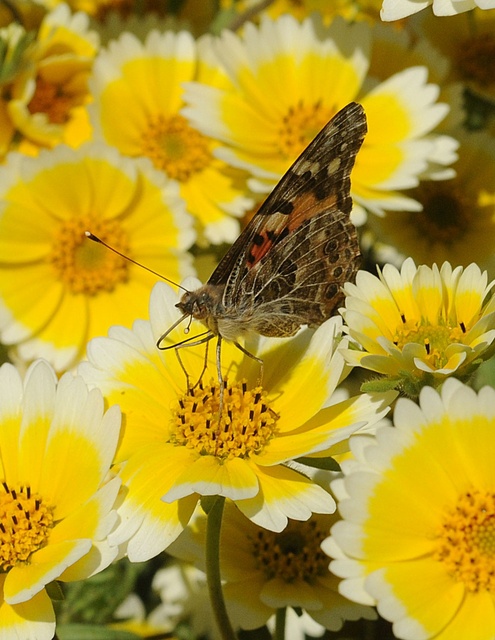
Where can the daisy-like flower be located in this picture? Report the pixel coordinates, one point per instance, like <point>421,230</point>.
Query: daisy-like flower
<point>177,447</point>
<point>288,79</point>
<point>145,81</point>
<point>457,222</point>
<point>264,571</point>
<point>56,502</point>
<point>397,9</point>
<point>420,325</point>
<point>47,99</point>
<point>468,42</point>
<point>57,288</point>
<point>418,509</point>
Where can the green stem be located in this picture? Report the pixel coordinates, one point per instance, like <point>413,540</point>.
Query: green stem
<point>213,527</point>
<point>280,624</point>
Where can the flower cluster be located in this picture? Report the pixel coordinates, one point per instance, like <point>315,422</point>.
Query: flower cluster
<point>300,446</point>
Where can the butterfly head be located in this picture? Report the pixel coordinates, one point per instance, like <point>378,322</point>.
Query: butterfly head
<point>195,304</point>
<point>202,304</point>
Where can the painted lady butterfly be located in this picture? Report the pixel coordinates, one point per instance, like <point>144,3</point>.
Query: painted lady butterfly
<point>287,267</point>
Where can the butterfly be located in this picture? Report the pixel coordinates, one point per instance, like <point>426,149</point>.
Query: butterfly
<point>287,267</point>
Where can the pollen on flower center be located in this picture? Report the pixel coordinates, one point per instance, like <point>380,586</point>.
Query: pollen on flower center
<point>434,338</point>
<point>466,541</point>
<point>476,57</point>
<point>299,126</point>
<point>84,266</point>
<point>25,524</point>
<point>175,147</point>
<point>294,554</point>
<point>246,425</point>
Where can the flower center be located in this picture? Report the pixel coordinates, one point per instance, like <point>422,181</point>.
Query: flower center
<point>295,553</point>
<point>52,100</point>
<point>87,267</point>
<point>25,524</point>
<point>466,541</point>
<point>435,339</point>
<point>246,425</point>
<point>444,216</point>
<point>299,126</point>
<point>175,147</point>
<point>476,57</point>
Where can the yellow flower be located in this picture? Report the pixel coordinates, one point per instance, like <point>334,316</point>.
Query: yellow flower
<point>457,222</point>
<point>420,325</point>
<point>177,448</point>
<point>58,289</point>
<point>47,100</point>
<point>263,571</point>
<point>56,504</point>
<point>418,509</point>
<point>288,79</point>
<point>144,82</point>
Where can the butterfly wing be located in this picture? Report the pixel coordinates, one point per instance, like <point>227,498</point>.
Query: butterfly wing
<point>288,265</point>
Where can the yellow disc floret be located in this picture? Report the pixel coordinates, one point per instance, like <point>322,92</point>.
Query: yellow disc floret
<point>299,126</point>
<point>25,524</point>
<point>466,541</point>
<point>84,266</point>
<point>294,554</point>
<point>434,338</point>
<point>175,147</point>
<point>245,426</point>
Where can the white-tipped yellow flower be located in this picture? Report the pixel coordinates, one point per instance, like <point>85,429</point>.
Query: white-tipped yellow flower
<point>57,288</point>
<point>420,325</point>
<point>264,571</point>
<point>289,78</point>
<point>418,508</point>
<point>56,502</point>
<point>144,82</point>
<point>177,448</point>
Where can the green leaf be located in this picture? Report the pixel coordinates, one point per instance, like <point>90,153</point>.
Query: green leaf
<point>54,591</point>
<point>327,464</point>
<point>92,632</point>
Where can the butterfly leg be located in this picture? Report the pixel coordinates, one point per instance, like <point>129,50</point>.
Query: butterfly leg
<point>205,365</point>
<point>221,388</point>
<point>253,357</point>
<point>182,367</point>
<point>190,342</point>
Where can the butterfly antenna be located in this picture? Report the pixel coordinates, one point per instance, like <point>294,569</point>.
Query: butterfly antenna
<point>91,236</point>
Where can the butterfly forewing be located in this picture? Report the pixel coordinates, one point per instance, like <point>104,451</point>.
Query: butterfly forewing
<point>288,266</point>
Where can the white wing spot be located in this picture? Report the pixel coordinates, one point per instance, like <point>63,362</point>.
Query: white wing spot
<point>333,166</point>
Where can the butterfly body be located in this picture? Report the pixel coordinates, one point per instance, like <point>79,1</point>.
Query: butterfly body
<point>288,266</point>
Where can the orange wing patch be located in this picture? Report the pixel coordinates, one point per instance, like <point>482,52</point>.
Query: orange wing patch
<point>289,216</point>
